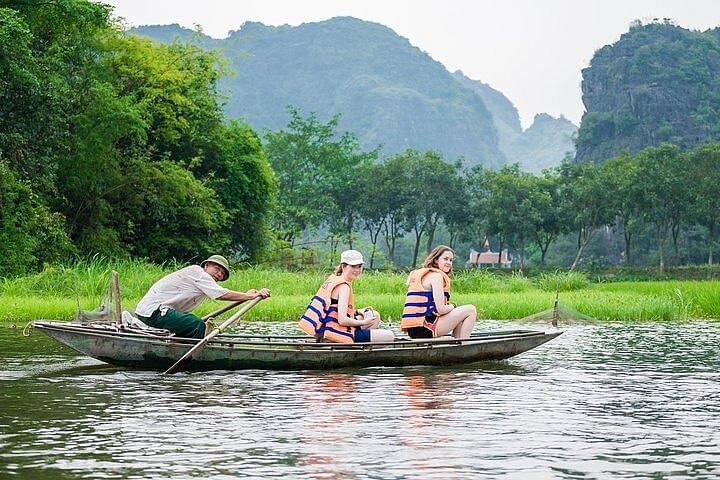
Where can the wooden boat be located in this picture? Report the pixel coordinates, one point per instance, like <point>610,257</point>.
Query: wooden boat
<point>134,348</point>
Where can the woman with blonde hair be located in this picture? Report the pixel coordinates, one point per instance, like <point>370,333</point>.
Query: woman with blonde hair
<point>428,312</point>
<point>332,316</point>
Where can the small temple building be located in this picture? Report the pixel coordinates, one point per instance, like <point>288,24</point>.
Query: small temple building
<point>488,258</point>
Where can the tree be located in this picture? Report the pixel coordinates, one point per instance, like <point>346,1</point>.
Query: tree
<point>625,193</point>
<point>145,108</point>
<point>549,224</point>
<point>514,204</point>
<point>665,191</point>
<point>705,191</point>
<point>431,182</point>
<point>344,168</point>
<point>21,98</point>
<point>373,207</point>
<point>395,192</point>
<point>59,123</point>
<point>448,195</point>
<point>584,200</point>
<point>315,171</point>
<point>461,214</point>
<point>246,187</point>
<point>43,46</point>
<point>474,227</point>
<point>177,215</point>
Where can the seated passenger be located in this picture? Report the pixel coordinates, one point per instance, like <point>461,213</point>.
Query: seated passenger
<point>332,316</point>
<point>428,312</point>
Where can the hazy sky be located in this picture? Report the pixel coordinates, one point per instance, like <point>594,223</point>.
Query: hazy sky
<point>530,50</point>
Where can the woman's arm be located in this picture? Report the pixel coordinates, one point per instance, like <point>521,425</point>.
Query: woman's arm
<point>343,292</point>
<point>436,284</point>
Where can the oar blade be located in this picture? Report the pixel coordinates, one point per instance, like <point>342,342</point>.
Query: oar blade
<point>185,359</point>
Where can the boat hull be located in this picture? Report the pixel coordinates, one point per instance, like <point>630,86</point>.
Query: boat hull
<point>236,352</point>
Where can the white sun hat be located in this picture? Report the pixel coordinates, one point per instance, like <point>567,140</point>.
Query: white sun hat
<point>351,257</point>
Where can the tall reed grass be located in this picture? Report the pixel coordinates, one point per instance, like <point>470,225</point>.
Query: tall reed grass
<point>562,281</point>
<point>56,292</point>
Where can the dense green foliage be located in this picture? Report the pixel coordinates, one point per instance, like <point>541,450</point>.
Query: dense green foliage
<point>415,196</point>
<point>115,145</point>
<point>658,83</point>
<point>30,233</point>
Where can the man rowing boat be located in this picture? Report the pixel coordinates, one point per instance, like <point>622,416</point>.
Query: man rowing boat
<point>170,300</point>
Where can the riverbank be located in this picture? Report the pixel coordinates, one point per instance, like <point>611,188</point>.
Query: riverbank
<point>55,293</point>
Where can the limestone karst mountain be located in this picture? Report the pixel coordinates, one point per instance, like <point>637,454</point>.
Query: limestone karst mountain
<point>389,92</point>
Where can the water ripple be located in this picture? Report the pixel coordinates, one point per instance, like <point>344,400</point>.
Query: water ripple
<point>600,401</point>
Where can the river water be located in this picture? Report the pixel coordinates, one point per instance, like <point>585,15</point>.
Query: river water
<point>600,401</point>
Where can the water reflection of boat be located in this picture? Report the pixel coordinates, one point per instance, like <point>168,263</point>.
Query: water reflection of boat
<point>425,392</point>
<point>134,348</point>
<point>328,415</point>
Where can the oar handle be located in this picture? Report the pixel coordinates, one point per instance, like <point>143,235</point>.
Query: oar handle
<point>222,310</point>
<point>201,344</point>
<point>236,316</point>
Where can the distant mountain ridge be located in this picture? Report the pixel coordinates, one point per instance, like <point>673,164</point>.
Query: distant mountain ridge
<point>389,92</point>
<point>544,144</point>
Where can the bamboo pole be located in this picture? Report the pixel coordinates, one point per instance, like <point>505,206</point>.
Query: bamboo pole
<point>117,314</point>
<point>221,310</point>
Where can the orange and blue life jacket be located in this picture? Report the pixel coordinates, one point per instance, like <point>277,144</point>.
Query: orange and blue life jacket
<point>419,302</point>
<point>320,318</point>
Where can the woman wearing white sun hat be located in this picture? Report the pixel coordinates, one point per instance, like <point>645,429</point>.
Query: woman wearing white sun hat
<point>331,315</point>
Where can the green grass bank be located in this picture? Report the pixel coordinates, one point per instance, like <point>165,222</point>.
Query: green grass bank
<point>56,292</point>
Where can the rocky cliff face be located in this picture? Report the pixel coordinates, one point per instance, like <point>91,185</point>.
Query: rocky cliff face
<point>658,83</point>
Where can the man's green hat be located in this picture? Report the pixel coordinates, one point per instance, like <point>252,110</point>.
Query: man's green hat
<point>221,261</point>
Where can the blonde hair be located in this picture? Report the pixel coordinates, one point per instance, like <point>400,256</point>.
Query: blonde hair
<point>432,258</point>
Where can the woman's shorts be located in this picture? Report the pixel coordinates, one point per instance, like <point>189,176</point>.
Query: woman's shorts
<point>427,330</point>
<point>362,335</point>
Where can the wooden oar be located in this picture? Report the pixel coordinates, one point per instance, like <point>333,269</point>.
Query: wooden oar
<point>222,310</point>
<point>202,343</point>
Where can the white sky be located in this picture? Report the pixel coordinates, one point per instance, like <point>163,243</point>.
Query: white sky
<point>530,50</point>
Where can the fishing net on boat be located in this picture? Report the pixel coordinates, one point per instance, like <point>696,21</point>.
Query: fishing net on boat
<point>558,315</point>
<point>102,314</point>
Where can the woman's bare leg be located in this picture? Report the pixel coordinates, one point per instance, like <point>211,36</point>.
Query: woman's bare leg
<point>460,321</point>
<point>381,335</point>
